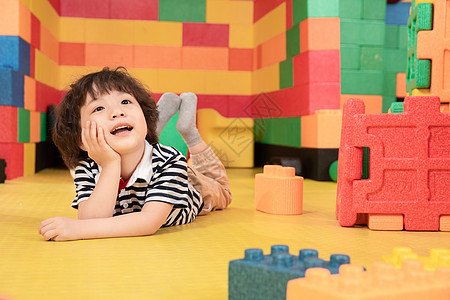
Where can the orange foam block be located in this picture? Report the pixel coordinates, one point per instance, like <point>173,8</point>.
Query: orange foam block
<point>400,85</point>
<point>385,222</point>
<point>321,130</point>
<point>320,34</point>
<point>204,58</point>
<point>157,57</point>
<point>381,282</point>
<point>435,45</point>
<point>99,55</point>
<point>278,191</point>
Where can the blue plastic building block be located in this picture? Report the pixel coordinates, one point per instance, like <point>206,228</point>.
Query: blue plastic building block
<point>259,276</point>
<point>14,54</point>
<point>12,88</point>
<point>397,13</point>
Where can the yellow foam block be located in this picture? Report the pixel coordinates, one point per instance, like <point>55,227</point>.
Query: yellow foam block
<point>29,157</point>
<point>439,257</point>
<point>179,81</point>
<point>148,77</point>
<point>241,36</point>
<point>35,126</point>
<point>105,31</point>
<point>266,79</point>
<point>373,103</point>
<point>69,74</point>
<point>278,191</point>
<point>228,83</point>
<point>230,138</point>
<point>321,130</point>
<point>49,44</point>
<point>72,30</point>
<point>48,17</point>
<point>229,12</point>
<point>272,24</point>
<point>156,33</point>
<point>29,93</point>
<point>47,70</point>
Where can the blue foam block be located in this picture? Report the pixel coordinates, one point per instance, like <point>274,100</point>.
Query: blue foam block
<point>259,276</point>
<point>397,13</point>
<point>12,88</point>
<point>14,54</point>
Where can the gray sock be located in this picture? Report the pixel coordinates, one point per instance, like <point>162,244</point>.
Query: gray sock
<point>186,124</point>
<point>167,106</point>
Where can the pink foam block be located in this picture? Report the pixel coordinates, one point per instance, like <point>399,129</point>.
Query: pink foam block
<point>207,35</point>
<point>317,66</point>
<point>409,163</point>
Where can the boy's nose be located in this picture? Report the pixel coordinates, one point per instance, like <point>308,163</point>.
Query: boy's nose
<point>117,114</point>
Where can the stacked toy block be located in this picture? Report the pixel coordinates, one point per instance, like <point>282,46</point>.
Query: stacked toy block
<point>428,48</point>
<point>438,258</point>
<point>381,282</point>
<point>25,46</point>
<point>409,167</point>
<point>278,191</point>
<point>259,276</point>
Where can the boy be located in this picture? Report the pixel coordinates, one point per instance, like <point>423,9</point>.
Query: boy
<point>127,184</point>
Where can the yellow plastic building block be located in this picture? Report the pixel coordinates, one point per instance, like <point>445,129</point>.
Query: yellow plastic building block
<point>321,130</point>
<point>438,258</point>
<point>230,138</point>
<point>381,282</point>
<point>278,191</point>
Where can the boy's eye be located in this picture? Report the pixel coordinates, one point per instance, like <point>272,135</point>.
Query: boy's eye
<point>99,108</point>
<point>126,102</point>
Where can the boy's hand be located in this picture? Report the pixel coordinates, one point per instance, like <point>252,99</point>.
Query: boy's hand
<point>60,229</point>
<point>95,144</point>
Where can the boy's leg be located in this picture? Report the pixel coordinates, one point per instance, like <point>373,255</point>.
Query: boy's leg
<point>167,106</point>
<point>207,173</point>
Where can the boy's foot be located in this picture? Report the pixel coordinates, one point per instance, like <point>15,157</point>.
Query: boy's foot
<point>167,106</point>
<point>186,124</point>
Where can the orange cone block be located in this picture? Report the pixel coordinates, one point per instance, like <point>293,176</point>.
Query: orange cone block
<point>278,191</point>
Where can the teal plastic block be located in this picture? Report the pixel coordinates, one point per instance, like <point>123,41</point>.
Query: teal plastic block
<point>24,126</point>
<point>278,131</point>
<point>397,107</point>
<point>170,136</point>
<point>374,10</point>
<point>362,32</point>
<point>303,9</point>
<point>293,41</point>
<point>418,74</point>
<point>350,57</point>
<point>182,11</point>
<point>286,74</point>
<point>387,102</point>
<point>389,83</point>
<point>259,276</point>
<point>351,9</point>
<point>360,82</point>
<point>391,37</point>
<point>372,58</point>
<point>395,60</point>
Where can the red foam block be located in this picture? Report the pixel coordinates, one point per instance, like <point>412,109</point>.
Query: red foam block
<point>316,66</point>
<point>8,123</point>
<point>134,9</point>
<point>207,35</point>
<point>409,163</point>
<point>12,153</point>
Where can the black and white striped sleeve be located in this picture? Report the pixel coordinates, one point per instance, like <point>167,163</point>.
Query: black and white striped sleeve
<point>84,182</point>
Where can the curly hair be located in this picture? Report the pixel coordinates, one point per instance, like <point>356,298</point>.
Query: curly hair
<point>67,129</point>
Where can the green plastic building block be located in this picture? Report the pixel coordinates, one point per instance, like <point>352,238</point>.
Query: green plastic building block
<point>371,58</point>
<point>374,9</point>
<point>170,136</point>
<point>278,131</point>
<point>361,82</point>
<point>182,11</point>
<point>418,74</point>
<point>349,57</point>
<point>286,74</point>
<point>391,37</point>
<point>24,126</point>
<point>362,32</point>
<point>293,41</point>
<point>402,37</point>
<point>303,9</point>
<point>394,60</point>
<point>351,9</point>
<point>43,125</point>
<point>389,83</point>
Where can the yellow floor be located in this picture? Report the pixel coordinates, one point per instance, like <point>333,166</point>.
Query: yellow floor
<point>187,262</point>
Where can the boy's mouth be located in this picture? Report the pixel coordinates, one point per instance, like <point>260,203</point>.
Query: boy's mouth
<point>121,130</point>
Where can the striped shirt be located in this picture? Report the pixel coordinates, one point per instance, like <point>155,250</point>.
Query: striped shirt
<point>160,176</point>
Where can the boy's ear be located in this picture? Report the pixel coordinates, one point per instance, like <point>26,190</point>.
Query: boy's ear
<point>82,147</point>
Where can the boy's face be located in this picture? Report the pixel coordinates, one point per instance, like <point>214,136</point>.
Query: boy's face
<point>120,116</point>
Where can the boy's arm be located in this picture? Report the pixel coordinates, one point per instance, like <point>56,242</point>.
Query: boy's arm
<point>145,222</point>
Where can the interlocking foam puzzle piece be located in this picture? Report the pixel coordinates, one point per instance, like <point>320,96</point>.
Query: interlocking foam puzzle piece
<point>259,276</point>
<point>409,164</point>
<point>322,129</point>
<point>278,191</point>
<point>418,74</point>
<point>320,34</point>
<point>381,282</point>
<point>316,66</point>
<point>435,45</point>
<point>230,138</point>
<point>438,257</point>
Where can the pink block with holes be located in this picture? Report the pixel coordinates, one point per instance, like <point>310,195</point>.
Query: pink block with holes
<point>409,164</point>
